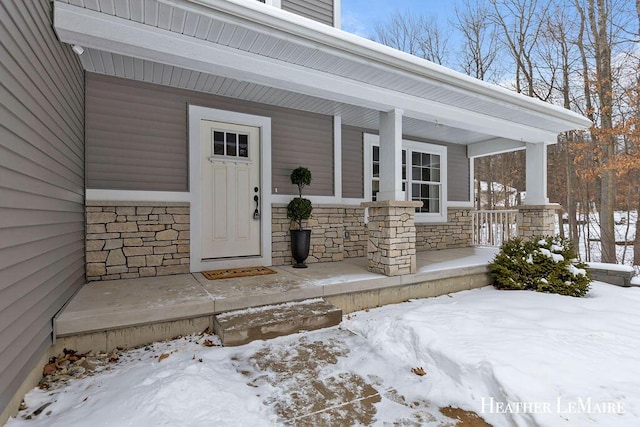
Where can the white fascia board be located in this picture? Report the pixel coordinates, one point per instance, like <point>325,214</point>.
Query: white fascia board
<point>494,146</point>
<point>75,25</point>
<point>338,42</point>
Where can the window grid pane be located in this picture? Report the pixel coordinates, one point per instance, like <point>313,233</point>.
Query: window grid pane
<point>243,146</point>
<point>218,143</point>
<point>231,144</point>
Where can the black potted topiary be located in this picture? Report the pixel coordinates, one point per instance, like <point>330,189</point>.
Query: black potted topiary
<point>298,210</point>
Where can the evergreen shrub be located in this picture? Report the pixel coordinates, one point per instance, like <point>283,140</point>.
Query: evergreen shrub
<point>543,264</point>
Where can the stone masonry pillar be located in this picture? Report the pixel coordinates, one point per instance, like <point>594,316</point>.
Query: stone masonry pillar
<point>391,248</point>
<point>537,220</point>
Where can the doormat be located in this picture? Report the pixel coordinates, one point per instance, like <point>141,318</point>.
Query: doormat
<point>230,273</point>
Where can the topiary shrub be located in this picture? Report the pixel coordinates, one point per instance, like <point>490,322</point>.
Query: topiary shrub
<point>299,209</point>
<point>543,264</point>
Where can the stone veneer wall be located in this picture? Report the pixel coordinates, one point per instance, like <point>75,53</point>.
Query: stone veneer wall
<point>457,232</point>
<point>328,225</point>
<point>129,240</point>
<point>536,220</point>
<point>391,249</point>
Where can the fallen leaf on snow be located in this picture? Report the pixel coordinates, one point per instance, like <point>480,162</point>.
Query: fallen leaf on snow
<point>162,357</point>
<point>49,369</point>
<point>419,371</point>
<point>208,343</point>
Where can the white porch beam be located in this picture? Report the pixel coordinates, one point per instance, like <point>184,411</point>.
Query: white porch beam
<point>494,146</point>
<point>91,29</point>
<point>536,174</point>
<point>391,156</point>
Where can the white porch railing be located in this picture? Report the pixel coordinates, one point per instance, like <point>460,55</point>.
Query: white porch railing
<point>493,228</point>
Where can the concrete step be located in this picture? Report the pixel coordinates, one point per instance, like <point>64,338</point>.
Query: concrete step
<point>262,323</point>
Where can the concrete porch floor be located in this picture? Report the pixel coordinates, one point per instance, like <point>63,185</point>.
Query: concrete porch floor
<point>171,305</point>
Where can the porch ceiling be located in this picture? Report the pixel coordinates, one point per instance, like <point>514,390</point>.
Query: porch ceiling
<point>248,50</point>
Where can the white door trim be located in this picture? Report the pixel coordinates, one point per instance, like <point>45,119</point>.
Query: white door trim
<point>196,114</point>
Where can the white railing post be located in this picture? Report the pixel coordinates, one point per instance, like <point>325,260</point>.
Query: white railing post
<point>494,227</point>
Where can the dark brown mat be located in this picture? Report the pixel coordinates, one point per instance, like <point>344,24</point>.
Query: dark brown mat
<point>230,273</point>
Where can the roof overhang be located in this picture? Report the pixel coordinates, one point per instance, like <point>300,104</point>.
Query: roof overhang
<point>250,42</point>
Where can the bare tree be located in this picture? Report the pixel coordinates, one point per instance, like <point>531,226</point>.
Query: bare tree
<point>418,35</point>
<point>520,22</point>
<point>402,31</point>
<point>479,40</point>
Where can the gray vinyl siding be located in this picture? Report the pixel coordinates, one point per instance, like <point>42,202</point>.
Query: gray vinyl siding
<point>136,137</point>
<point>41,185</point>
<point>318,10</point>
<point>458,166</point>
<point>352,162</point>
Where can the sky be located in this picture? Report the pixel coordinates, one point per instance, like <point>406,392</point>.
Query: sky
<point>360,16</point>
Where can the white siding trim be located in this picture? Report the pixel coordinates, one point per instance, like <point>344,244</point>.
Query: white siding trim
<point>460,204</point>
<point>316,200</point>
<point>337,14</point>
<point>136,196</point>
<point>337,157</point>
<point>472,187</point>
<point>197,113</point>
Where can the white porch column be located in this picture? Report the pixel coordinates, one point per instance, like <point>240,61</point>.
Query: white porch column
<point>536,174</point>
<point>391,156</point>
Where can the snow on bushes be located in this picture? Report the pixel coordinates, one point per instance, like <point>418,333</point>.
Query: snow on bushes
<point>543,264</point>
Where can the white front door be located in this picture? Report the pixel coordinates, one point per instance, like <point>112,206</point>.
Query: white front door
<point>230,174</point>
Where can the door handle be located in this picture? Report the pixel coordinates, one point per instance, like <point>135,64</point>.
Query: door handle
<point>256,212</point>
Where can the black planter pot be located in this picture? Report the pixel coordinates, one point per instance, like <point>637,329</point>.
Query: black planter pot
<point>300,241</point>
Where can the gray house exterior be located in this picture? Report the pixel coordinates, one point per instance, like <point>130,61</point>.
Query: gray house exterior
<point>41,185</point>
<point>140,152</point>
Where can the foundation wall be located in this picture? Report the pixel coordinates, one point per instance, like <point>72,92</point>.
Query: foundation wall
<point>129,240</point>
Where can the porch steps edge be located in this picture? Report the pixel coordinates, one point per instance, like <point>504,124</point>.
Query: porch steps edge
<point>240,327</point>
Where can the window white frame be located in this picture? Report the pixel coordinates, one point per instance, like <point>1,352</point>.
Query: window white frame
<point>371,140</point>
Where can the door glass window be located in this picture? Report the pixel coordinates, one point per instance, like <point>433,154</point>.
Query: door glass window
<point>230,144</point>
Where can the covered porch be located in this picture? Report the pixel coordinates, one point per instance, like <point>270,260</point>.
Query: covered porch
<point>318,96</point>
<point>125,313</point>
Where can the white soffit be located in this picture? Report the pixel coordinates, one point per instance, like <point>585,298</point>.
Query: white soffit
<point>215,28</point>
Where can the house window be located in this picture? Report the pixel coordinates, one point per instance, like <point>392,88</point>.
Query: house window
<point>423,175</point>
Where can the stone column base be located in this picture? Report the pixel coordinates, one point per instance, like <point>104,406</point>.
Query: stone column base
<point>537,220</point>
<point>391,247</point>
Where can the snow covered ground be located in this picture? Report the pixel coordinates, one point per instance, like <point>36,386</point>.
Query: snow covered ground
<point>514,357</point>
